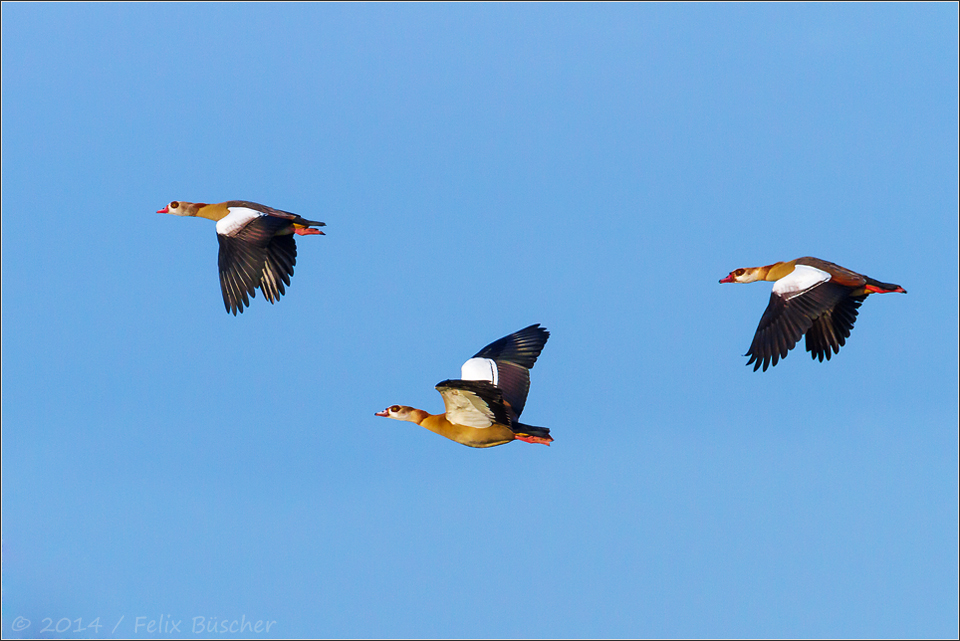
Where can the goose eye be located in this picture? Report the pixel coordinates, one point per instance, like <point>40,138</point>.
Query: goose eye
<point>175,205</point>
<point>395,408</point>
<point>739,272</point>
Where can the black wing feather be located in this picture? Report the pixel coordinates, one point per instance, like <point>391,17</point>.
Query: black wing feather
<point>254,257</point>
<point>278,268</point>
<point>832,329</point>
<point>522,347</point>
<point>237,277</point>
<point>786,320</point>
<point>515,355</point>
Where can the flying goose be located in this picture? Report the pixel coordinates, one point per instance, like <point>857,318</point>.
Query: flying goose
<point>810,296</point>
<point>257,248</point>
<point>482,408</point>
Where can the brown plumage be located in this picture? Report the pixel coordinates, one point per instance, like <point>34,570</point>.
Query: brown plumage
<point>257,248</point>
<point>810,297</point>
<point>482,409</point>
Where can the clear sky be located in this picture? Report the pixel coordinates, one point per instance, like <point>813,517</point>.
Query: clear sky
<point>596,169</point>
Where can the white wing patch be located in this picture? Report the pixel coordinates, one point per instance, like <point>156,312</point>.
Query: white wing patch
<point>466,408</point>
<point>801,279</point>
<point>480,369</point>
<point>237,219</point>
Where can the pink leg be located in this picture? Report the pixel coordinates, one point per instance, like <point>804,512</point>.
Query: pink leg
<point>526,438</point>
<point>877,290</point>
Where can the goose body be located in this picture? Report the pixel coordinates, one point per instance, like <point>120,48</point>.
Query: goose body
<point>257,247</point>
<point>810,297</point>
<point>482,408</point>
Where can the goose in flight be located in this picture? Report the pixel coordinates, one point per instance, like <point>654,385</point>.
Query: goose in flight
<point>257,248</point>
<point>482,408</point>
<point>810,297</point>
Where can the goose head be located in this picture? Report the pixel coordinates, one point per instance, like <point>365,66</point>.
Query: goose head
<point>400,413</point>
<point>744,275</point>
<point>180,208</point>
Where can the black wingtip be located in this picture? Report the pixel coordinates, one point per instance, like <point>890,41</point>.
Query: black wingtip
<point>522,347</point>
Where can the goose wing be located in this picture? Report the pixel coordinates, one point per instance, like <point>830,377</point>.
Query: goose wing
<point>514,356</point>
<point>473,403</point>
<point>788,317</point>
<point>252,255</point>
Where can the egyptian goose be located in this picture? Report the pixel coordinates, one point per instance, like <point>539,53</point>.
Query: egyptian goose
<point>483,407</point>
<point>257,248</point>
<point>810,296</point>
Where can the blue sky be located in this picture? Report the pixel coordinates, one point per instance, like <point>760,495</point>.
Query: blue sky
<point>596,169</point>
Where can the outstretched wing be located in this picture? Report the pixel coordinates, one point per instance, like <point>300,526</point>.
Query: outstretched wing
<point>787,319</point>
<point>473,403</point>
<point>252,255</point>
<point>515,355</point>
